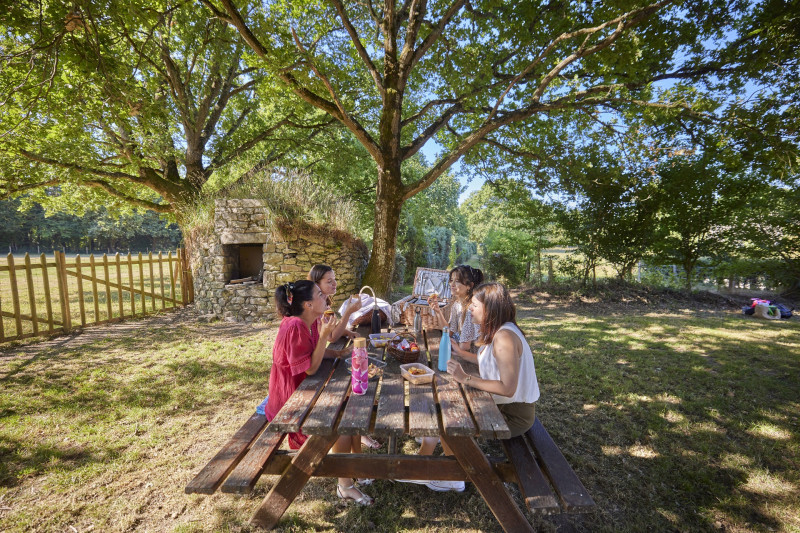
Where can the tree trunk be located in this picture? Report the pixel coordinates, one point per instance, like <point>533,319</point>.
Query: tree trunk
<point>388,206</point>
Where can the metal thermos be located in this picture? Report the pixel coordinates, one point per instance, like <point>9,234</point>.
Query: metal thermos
<point>417,321</point>
<point>376,320</point>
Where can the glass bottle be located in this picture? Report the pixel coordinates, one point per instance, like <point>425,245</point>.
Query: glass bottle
<point>444,350</point>
<point>359,372</point>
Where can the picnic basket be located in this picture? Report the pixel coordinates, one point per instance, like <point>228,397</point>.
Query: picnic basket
<point>403,356</point>
<point>366,318</point>
<point>426,280</point>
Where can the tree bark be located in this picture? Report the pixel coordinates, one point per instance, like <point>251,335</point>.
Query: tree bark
<point>388,206</point>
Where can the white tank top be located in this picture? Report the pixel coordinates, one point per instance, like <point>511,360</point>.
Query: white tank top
<point>527,385</point>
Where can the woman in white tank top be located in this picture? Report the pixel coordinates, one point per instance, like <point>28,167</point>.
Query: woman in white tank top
<point>505,362</point>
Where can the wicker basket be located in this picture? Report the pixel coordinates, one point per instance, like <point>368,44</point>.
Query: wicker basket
<point>405,309</point>
<point>366,318</point>
<point>403,356</point>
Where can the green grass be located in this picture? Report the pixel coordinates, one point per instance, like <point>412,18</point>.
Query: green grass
<point>676,418</point>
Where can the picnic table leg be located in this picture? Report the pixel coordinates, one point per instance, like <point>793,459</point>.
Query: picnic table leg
<point>292,480</point>
<point>486,480</point>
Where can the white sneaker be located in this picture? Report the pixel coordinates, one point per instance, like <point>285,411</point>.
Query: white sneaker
<point>416,481</point>
<point>445,486</point>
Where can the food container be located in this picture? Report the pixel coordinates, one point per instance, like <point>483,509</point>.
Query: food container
<point>425,377</point>
<point>374,366</point>
<point>379,340</point>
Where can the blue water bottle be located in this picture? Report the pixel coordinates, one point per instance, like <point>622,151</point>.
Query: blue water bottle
<point>444,350</point>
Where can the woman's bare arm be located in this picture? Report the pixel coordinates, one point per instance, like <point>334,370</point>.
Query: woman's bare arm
<point>506,348</point>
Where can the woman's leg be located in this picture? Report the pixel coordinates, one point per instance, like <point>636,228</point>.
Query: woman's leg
<point>346,488</point>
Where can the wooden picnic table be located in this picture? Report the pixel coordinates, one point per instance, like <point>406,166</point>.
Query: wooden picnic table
<point>323,408</point>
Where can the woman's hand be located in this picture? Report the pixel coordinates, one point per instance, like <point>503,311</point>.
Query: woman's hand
<point>353,305</point>
<point>327,326</point>
<point>454,369</point>
<point>433,302</point>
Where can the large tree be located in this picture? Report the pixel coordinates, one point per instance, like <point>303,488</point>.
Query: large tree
<point>481,75</point>
<point>142,101</point>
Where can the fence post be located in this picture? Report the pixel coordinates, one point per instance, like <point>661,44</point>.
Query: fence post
<point>12,279</point>
<point>119,288</point>
<point>108,288</point>
<point>141,284</point>
<point>133,291</point>
<point>81,304</point>
<point>171,279</point>
<point>63,292</point>
<point>93,270</point>
<point>46,285</point>
<point>31,295</point>
<point>161,279</point>
<point>152,283</point>
<point>184,288</point>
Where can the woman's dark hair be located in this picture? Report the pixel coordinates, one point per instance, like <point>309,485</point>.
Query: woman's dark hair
<point>498,309</point>
<point>289,297</point>
<point>316,274</point>
<point>466,275</point>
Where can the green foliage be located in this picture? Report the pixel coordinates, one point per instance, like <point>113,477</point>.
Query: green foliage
<point>511,226</point>
<point>430,223</point>
<point>699,199</point>
<point>461,250</point>
<point>141,102</point>
<point>437,252</point>
<point>31,227</point>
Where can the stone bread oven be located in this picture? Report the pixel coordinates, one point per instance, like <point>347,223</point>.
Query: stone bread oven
<point>245,244</point>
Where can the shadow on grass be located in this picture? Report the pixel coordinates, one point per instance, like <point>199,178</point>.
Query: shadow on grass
<point>107,393</point>
<point>675,422</point>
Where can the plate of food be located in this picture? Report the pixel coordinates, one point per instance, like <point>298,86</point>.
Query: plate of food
<point>416,373</point>
<point>375,366</point>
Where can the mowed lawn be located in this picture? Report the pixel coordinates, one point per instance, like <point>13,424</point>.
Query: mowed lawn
<point>676,417</point>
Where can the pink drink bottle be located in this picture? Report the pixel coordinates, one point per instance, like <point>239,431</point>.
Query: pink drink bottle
<point>360,366</point>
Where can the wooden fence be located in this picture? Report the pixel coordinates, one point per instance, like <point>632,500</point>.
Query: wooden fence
<point>52,295</point>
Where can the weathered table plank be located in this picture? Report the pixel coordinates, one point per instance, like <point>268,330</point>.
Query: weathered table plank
<point>291,415</point>
<point>391,416</point>
<point>573,495</point>
<point>322,418</point>
<point>532,483</point>
<point>247,472</point>
<point>211,476</point>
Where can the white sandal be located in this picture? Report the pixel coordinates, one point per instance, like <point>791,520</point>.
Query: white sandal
<point>364,481</point>
<point>363,500</point>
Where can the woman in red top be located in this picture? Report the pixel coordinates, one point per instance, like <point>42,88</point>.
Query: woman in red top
<point>297,353</point>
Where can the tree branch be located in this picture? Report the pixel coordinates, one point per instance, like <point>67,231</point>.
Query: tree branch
<point>431,38</point>
<point>101,184</point>
<point>27,187</point>
<point>430,131</point>
<point>356,40</point>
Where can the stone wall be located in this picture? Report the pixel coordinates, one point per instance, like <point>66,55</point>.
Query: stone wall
<point>288,255</point>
